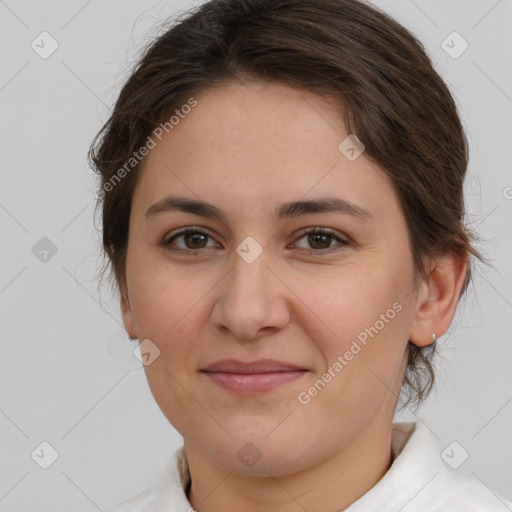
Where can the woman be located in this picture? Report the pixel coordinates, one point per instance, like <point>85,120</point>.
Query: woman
<point>284,219</point>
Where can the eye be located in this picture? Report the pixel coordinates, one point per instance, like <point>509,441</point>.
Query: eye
<point>193,238</point>
<point>320,240</point>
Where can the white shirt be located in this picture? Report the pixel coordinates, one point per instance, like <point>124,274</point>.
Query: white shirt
<point>417,481</point>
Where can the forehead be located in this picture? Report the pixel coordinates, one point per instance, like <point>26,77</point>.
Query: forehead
<point>256,144</point>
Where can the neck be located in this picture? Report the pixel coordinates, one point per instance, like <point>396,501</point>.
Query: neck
<point>330,485</point>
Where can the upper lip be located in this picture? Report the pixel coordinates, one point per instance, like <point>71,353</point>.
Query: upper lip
<point>259,366</point>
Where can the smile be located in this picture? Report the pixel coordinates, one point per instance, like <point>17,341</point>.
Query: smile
<point>249,383</point>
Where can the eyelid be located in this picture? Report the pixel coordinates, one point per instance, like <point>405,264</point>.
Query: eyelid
<point>318,229</point>
<point>183,231</point>
<point>187,229</point>
<point>342,240</point>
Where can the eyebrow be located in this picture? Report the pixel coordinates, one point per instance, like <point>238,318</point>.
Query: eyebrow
<point>286,210</point>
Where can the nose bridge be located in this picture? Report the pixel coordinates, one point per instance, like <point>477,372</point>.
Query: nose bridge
<point>250,299</point>
<point>249,275</point>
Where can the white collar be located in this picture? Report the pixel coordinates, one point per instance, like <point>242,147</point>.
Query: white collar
<point>415,462</point>
<point>417,481</point>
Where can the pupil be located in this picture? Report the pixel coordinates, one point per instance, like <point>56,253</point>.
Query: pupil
<point>195,237</point>
<point>320,236</point>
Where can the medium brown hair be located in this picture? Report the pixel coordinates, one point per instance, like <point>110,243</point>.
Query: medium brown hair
<point>393,101</point>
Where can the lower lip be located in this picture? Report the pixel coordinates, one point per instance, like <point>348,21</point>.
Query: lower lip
<point>253,382</point>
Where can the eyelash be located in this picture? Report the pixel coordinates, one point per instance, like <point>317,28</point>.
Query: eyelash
<point>311,252</point>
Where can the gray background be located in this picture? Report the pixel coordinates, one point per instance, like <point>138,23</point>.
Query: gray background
<point>67,373</point>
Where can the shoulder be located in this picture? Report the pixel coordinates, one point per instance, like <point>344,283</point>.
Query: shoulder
<point>458,493</point>
<point>143,502</point>
<point>419,481</point>
<point>168,494</point>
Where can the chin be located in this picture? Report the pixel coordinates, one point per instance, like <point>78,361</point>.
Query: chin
<point>254,455</point>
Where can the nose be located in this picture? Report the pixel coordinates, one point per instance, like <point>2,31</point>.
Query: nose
<point>252,299</point>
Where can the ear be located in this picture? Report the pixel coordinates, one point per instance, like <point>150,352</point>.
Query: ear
<point>437,298</point>
<point>127,315</point>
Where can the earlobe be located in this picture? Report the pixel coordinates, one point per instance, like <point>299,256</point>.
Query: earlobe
<point>437,301</point>
<point>127,316</point>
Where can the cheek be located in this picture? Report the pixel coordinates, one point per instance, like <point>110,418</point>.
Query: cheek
<point>168,313</point>
<point>362,316</point>
<point>163,293</point>
<point>165,311</point>
<point>352,300</point>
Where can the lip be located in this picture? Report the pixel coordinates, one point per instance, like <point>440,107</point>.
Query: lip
<point>258,366</point>
<point>252,377</point>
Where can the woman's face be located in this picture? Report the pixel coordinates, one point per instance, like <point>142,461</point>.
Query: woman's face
<point>251,283</point>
